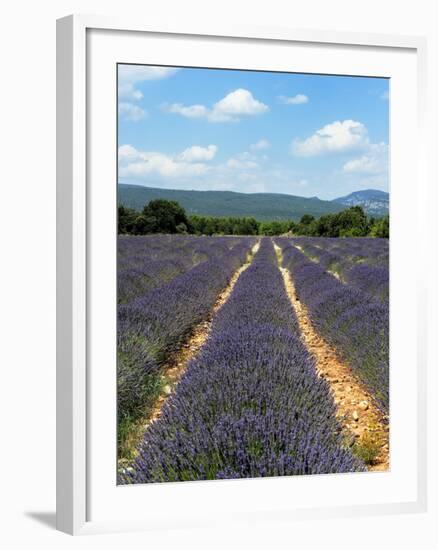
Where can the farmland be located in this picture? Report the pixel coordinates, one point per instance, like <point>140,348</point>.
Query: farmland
<point>242,357</point>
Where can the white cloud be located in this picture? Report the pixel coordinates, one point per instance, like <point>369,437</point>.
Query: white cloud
<point>139,73</point>
<point>191,111</point>
<point>129,75</point>
<point>131,112</point>
<point>238,103</point>
<point>198,153</point>
<point>333,138</point>
<point>237,163</point>
<point>385,95</point>
<point>243,161</point>
<point>229,109</point>
<point>128,153</point>
<point>374,161</point>
<point>261,144</point>
<point>298,99</point>
<point>127,91</point>
<point>192,169</point>
<point>139,164</point>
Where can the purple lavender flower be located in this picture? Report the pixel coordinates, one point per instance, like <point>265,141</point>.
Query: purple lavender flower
<point>251,403</point>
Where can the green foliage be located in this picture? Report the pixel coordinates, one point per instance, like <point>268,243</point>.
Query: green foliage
<point>367,449</point>
<point>144,224</point>
<point>275,228</point>
<point>181,228</point>
<point>380,228</point>
<point>351,222</point>
<point>130,425</point>
<point>163,216</point>
<point>126,219</point>
<point>201,225</point>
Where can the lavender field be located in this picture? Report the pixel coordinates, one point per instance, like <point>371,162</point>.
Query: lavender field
<point>242,357</point>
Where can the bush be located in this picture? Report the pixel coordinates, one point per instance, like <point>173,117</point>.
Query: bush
<point>367,449</point>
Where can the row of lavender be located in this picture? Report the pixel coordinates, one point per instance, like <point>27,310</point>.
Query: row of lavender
<point>146,262</point>
<point>373,251</point>
<point>251,404</point>
<point>362,263</point>
<point>351,320</point>
<point>154,324</point>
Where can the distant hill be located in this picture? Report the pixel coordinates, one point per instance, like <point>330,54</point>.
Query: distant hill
<point>262,206</point>
<point>374,202</point>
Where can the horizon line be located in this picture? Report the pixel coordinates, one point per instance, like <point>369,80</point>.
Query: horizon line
<point>248,193</point>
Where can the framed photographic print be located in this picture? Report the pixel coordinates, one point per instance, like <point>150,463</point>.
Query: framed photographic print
<point>240,331</point>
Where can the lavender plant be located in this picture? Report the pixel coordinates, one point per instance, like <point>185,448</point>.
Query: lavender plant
<point>154,324</point>
<point>373,280</point>
<point>250,404</point>
<point>147,262</point>
<point>349,319</point>
<point>362,264</point>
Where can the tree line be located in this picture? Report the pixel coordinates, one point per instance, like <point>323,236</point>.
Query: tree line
<point>164,216</point>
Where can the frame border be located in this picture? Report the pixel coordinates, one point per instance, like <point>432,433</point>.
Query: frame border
<point>71,266</point>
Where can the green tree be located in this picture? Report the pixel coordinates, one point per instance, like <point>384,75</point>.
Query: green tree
<point>209,227</point>
<point>324,226</point>
<point>164,216</point>
<point>274,228</point>
<point>126,219</point>
<point>380,228</point>
<point>196,223</point>
<point>144,225</point>
<point>248,226</point>
<point>351,222</point>
<point>307,219</point>
<point>182,228</point>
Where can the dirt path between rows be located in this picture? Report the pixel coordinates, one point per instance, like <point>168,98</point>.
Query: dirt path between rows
<point>316,261</point>
<point>365,426</point>
<point>177,364</point>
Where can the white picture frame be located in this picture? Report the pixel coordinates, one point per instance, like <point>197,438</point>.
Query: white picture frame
<point>76,215</point>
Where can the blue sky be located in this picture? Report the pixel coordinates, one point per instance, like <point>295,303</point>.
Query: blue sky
<point>307,135</point>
